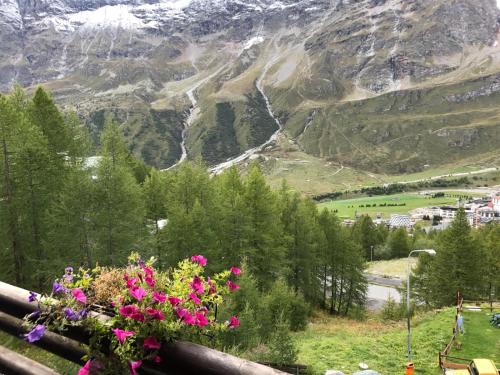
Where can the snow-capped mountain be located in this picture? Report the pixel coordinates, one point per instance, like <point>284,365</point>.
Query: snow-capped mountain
<point>149,61</point>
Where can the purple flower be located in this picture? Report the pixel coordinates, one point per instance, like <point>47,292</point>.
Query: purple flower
<point>82,314</point>
<point>34,315</point>
<point>36,333</point>
<point>68,278</point>
<point>32,297</point>
<point>70,313</point>
<point>68,270</point>
<point>58,288</point>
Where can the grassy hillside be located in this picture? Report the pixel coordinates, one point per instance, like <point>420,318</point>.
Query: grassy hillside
<point>404,131</point>
<point>341,344</point>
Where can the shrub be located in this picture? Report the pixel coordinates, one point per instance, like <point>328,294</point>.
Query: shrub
<point>281,346</point>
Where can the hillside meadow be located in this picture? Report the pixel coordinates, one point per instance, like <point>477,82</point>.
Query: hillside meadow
<point>341,344</point>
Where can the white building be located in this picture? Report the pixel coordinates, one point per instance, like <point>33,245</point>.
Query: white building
<point>398,221</point>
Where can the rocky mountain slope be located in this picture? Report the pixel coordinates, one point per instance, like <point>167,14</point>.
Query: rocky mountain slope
<point>383,85</point>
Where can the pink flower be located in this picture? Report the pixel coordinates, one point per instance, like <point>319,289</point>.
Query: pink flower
<point>148,271</point>
<point>138,316</point>
<point>121,335</point>
<point>201,320</point>
<point>157,359</point>
<point>197,285</point>
<point>233,322</point>
<point>150,281</point>
<point>85,370</point>
<point>194,298</point>
<point>185,316</point>
<point>155,314</point>
<point>128,310</point>
<point>133,366</point>
<point>159,297</point>
<point>200,259</point>
<point>213,288</point>
<point>137,292</point>
<point>232,286</point>
<point>174,301</point>
<point>151,343</point>
<point>131,282</point>
<point>79,295</point>
<point>236,271</point>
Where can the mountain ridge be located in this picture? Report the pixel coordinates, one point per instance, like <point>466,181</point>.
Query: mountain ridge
<point>139,59</point>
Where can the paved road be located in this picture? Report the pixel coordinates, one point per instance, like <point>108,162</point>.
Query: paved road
<point>384,281</point>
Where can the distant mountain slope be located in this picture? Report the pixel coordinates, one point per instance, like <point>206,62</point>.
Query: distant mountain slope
<point>382,85</point>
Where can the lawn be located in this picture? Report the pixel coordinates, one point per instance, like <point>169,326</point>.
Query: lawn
<point>405,202</point>
<point>341,344</point>
<point>481,340</point>
<point>390,268</point>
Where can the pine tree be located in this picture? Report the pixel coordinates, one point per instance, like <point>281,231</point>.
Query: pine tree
<point>457,265</point>
<point>155,195</point>
<point>264,250</point>
<point>281,345</point>
<point>365,232</point>
<point>399,244</point>
<point>9,212</point>
<point>231,221</point>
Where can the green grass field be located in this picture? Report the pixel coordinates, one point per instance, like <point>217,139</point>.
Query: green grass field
<point>481,340</point>
<point>390,268</point>
<point>341,344</point>
<point>349,208</point>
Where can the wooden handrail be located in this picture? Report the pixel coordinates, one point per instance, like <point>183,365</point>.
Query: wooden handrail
<point>177,358</point>
<point>15,364</point>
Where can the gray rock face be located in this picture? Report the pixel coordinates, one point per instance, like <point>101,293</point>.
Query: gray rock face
<point>134,56</point>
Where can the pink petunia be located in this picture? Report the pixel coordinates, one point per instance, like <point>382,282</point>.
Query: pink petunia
<point>159,297</point>
<point>201,320</point>
<point>151,343</point>
<point>232,286</point>
<point>197,285</point>
<point>150,281</point>
<point>85,370</point>
<point>194,298</point>
<point>213,287</point>
<point>128,310</point>
<point>200,259</point>
<point>185,316</point>
<point>137,292</point>
<point>157,359</point>
<point>235,270</point>
<point>79,295</point>
<point>138,316</point>
<point>148,271</point>
<point>132,282</point>
<point>133,366</point>
<point>155,314</point>
<point>121,335</point>
<point>233,322</point>
<point>174,301</point>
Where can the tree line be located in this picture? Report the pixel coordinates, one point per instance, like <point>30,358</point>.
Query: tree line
<point>57,210</point>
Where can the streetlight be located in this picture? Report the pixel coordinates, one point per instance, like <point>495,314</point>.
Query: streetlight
<point>431,252</point>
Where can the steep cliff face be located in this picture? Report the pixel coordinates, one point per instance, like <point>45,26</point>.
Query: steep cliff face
<point>379,71</point>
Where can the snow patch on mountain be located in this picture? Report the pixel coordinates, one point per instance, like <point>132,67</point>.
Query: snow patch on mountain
<point>107,16</point>
<point>253,41</point>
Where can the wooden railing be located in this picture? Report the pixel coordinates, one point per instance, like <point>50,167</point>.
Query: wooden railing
<point>444,358</point>
<point>177,357</point>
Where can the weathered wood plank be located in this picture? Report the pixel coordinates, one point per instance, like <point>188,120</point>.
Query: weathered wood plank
<point>12,363</point>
